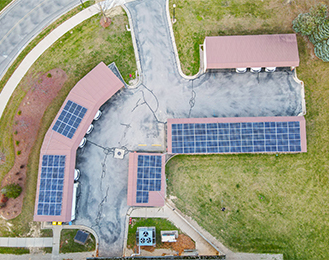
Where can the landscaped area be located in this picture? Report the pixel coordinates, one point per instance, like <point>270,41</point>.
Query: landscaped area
<point>273,203</point>
<point>67,244</point>
<point>76,53</point>
<point>160,224</point>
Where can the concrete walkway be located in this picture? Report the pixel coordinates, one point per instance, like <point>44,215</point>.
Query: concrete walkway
<point>22,20</point>
<point>26,242</point>
<point>38,50</point>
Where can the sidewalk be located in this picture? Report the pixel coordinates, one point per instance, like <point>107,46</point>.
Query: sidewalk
<point>26,242</point>
<point>38,50</point>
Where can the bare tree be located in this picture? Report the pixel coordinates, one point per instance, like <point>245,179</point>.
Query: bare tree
<point>106,8</point>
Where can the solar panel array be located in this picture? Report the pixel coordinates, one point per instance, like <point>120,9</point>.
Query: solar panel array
<point>69,119</point>
<point>148,176</point>
<point>252,137</point>
<point>51,185</point>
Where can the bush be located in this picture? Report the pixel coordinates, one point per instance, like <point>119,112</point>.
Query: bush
<point>19,152</point>
<point>12,190</point>
<point>19,112</point>
<point>17,142</point>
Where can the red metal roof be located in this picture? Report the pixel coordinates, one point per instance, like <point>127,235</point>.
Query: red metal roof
<point>300,119</point>
<point>276,50</point>
<point>91,92</point>
<point>156,198</point>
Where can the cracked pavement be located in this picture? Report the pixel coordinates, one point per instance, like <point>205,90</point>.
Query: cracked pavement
<point>135,119</point>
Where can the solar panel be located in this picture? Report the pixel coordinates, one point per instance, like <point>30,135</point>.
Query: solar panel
<point>69,119</point>
<point>245,137</point>
<point>148,176</point>
<point>51,185</point>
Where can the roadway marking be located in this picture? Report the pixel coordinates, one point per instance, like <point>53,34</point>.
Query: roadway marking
<point>142,145</point>
<point>156,145</point>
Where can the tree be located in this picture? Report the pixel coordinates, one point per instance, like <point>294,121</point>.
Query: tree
<point>106,8</point>
<point>12,190</point>
<point>315,25</point>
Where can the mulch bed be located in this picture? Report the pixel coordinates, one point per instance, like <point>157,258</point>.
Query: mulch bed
<point>25,130</point>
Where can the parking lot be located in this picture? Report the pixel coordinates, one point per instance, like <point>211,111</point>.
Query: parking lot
<point>135,119</point>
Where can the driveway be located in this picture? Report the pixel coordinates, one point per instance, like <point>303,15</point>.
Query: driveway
<point>22,21</point>
<point>135,119</point>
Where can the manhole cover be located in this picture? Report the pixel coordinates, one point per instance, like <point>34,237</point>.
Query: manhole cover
<point>119,153</point>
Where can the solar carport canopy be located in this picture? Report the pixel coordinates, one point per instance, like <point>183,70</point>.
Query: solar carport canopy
<point>237,135</point>
<point>146,180</point>
<point>275,50</point>
<point>58,152</point>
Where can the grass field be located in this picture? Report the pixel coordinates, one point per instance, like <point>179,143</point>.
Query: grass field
<point>14,250</point>
<point>67,244</point>
<point>77,52</point>
<point>4,3</point>
<point>158,223</point>
<point>273,203</point>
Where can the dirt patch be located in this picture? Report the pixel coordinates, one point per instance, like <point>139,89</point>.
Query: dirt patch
<point>25,129</point>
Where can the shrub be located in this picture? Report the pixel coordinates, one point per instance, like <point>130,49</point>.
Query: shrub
<point>49,75</point>
<point>19,112</point>
<point>17,142</point>
<point>12,190</point>
<point>15,132</point>
<point>19,152</point>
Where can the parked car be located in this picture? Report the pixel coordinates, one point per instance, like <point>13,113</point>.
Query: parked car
<point>77,174</point>
<point>90,128</point>
<point>83,142</point>
<point>98,115</point>
<point>256,69</point>
<point>241,70</point>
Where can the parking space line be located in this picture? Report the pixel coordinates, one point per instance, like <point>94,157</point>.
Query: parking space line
<point>142,145</point>
<point>156,145</point>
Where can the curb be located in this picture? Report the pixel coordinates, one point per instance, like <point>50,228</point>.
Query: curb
<point>32,38</point>
<point>137,58</point>
<point>8,5</point>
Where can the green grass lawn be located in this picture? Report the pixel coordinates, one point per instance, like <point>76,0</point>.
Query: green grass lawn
<point>77,52</point>
<point>4,3</point>
<point>14,250</point>
<point>158,223</point>
<point>274,204</point>
<point>67,244</point>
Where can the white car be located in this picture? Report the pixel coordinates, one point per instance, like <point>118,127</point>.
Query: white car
<point>270,69</point>
<point>90,128</point>
<point>83,142</point>
<point>256,69</point>
<point>77,174</point>
<point>241,70</point>
<point>98,115</point>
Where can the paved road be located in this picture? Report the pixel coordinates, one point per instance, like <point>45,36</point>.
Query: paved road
<point>138,116</point>
<point>22,21</point>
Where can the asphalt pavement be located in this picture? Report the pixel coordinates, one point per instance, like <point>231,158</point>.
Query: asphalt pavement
<point>22,21</point>
<point>135,119</point>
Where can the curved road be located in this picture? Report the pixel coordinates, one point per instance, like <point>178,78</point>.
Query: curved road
<point>135,119</point>
<point>22,21</point>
